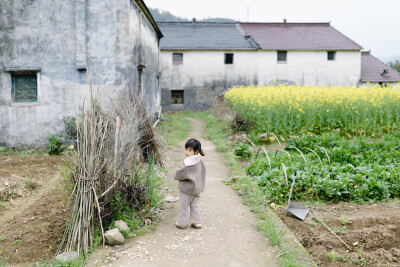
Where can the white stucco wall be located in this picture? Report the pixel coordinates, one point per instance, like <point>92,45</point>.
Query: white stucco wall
<point>260,67</point>
<point>311,67</point>
<point>202,68</point>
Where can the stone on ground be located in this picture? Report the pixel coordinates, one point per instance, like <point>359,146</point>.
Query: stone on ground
<point>170,198</point>
<point>68,256</point>
<point>114,237</point>
<point>121,225</point>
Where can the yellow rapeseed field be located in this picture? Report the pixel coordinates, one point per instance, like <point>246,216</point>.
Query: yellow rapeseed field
<point>288,109</point>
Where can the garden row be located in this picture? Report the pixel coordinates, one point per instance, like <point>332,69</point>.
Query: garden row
<point>331,168</point>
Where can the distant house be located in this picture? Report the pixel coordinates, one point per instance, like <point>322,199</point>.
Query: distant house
<point>374,71</point>
<point>201,60</point>
<point>305,53</point>
<point>42,64</point>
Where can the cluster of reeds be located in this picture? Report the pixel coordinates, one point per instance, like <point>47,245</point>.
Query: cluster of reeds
<point>111,147</point>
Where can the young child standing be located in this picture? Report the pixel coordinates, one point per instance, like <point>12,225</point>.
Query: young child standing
<point>192,180</point>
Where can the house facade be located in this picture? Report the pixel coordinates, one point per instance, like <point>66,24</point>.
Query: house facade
<point>305,54</point>
<point>201,60</point>
<point>44,47</point>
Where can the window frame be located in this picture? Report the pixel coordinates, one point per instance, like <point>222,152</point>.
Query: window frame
<point>279,52</point>
<point>331,53</point>
<point>226,57</point>
<point>183,96</point>
<point>21,71</point>
<point>176,61</point>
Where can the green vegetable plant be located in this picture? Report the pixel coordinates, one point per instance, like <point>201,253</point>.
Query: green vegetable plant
<point>243,150</point>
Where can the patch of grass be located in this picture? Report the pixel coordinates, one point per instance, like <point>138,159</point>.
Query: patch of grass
<point>270,229</point>
<point>345,221</point>
<point>332,255</point>
<point>21,151</point>
<point>30,183</point>
<point>174,127</point>
<point>17,241</point>
<point>315,219</point>
<point>340,229</point>
<point>2,238</point>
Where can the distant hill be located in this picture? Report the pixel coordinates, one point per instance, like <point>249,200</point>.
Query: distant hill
<point>161,15</point>
<point>390,59</point>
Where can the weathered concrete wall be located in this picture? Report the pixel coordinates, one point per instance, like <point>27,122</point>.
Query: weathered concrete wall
<point>34,34</point>
<point>203,75</point>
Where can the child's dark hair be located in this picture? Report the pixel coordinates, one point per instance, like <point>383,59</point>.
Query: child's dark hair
<point>195,144</point>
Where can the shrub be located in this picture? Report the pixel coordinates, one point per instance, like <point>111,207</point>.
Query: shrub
<point>70,129</point>
<point>55,146</point>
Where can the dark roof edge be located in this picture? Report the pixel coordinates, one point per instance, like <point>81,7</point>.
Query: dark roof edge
<point>209,49</point>
<point>283,23</point>
<point>153,23</point>
<point>192,23</point>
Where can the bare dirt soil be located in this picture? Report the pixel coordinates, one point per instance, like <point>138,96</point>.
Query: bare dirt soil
<point>372,231</point>
<point>32,216</point>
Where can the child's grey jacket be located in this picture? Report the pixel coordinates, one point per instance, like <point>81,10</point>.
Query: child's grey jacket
<point>191,176</point>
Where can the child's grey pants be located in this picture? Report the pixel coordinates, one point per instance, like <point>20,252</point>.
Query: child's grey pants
<point>186,201</point>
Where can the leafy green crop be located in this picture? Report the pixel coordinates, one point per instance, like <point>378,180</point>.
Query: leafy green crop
<point>357,170</point>
<point>243,150</point>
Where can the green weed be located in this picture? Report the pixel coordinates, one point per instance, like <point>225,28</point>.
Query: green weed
<point>17,241</point>
<point>332,255</point>
<point>269,229</point>
<point>345,221</point>
<point>30,183</point>
<point>55,145</point>
<point>340,229</point>
<point>2,238</point>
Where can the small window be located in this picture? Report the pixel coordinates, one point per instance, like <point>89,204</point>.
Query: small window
<point>282,56</point>
<point>177,58</point>
<point>228,58</point>
<point>331,55</point>
<point>24,87</point>
<point>177,97</point>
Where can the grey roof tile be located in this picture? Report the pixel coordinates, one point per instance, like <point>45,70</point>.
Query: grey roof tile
<point>298,36</point>
<point>203,36</point>
<point>372,69</point>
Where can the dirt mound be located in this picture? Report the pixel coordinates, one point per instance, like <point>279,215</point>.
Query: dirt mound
<point>371,230</point>
<point>35,233</point>
<point>32,214</point>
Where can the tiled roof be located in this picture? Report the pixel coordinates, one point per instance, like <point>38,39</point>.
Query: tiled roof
<point>203,36</point>
<point>372,69</point>
<point>298,36</point>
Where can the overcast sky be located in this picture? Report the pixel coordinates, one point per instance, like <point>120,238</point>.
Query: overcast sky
<point>374,24</point>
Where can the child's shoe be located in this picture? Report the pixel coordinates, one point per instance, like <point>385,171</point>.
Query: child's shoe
<point>196,225</point>
<point>181,226</point>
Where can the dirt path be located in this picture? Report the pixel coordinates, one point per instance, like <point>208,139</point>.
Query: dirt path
<point>227,238</point>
